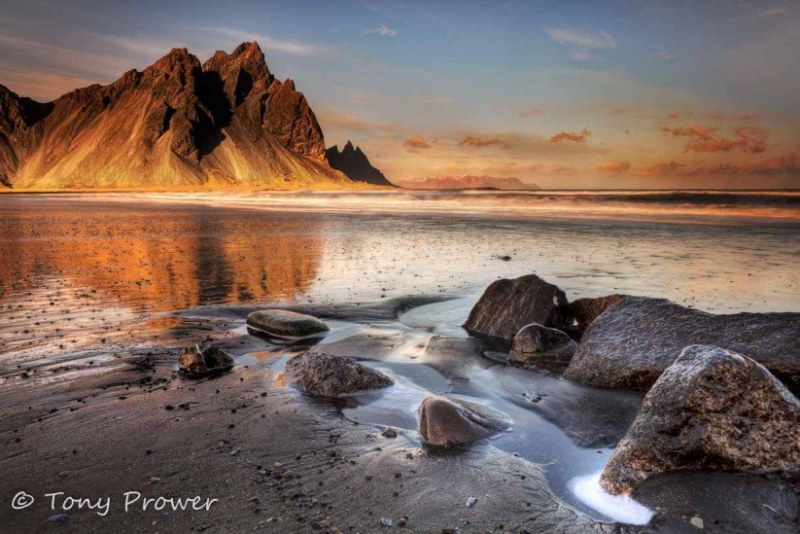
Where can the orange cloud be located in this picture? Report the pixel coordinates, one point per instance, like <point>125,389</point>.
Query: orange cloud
<point>571,136</point>
<point>415,143</point>
<point>610,168</point>
<point>748,139</point>
<point>781,165</point>
<point>478,142</point>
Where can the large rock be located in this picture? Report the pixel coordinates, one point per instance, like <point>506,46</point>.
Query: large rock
<point>588,309</point>
<point>447,422</point>
<point>508,305</point>
<point>323,375</point>
<point>712,409</point>
<point>631,344</point>
<point>285,323</point>
<point>197,361</point>
<point>537,344</point>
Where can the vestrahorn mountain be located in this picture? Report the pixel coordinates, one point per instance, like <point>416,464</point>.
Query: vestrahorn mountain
<point>178,123</point>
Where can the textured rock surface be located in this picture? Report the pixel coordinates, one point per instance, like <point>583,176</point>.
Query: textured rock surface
<point>323,375</point>
<point>354,163</point>
<point>197,361</point>
<point>227,122</point>
<point>589,309</point>
<point>508,305</point>
<point>632,343</point>
<point>447,422</point>
<point>537,344</point>
<point>286,323</point>
<point>712,409</point>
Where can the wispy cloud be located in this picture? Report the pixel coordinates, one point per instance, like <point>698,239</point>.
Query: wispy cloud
<point>481,142</point>
<point>575,137</point>
<point>571,37</point>
<point>382,31</point>
<point>269,43</point>
<point>667,56</point>
<point>415,143</point>
<point>702,139</point>
<point>771,12</point>
<point>341,120</point>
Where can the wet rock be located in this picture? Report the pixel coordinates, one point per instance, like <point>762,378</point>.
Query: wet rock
<point>285,323</point>
<point>447,422</point>
<point>587,310</point>
<point>323,375</point>
<point>712,409</point>
<point>633,342</point>
<point>197,361</point>
<point>537,344</point>
<point>508,305</point>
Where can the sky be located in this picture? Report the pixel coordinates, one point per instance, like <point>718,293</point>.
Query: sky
<point>594,94</point>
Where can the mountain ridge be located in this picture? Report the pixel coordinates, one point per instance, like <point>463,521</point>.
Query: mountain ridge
<point>227,122</point>
<point>354,163</point>
<point>470,182</point>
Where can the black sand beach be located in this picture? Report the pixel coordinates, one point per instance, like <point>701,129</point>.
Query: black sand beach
<point>99,296</point>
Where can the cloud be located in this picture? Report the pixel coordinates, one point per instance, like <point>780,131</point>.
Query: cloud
<point>786,165</point>
<point>667,56</point>
<point>611,168</point>
<point>575,137</point>
<point>269,43</point>
<point>41,85</point>
<point>382,31</point>
<point>479,142</point>
<point>771,12</point>
<point>571,37</point>
<point>415,143</point>
<point>531,112</point>
<point>341,120</point>
<point>701,139</point>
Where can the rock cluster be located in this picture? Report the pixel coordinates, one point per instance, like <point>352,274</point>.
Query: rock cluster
<point>508,305</point>
<point>634,341</point>
<point>284,323</point>
<point>536,344</point>
<point>711,409</point>
<point>197,361</point>
<point>324,375</point>
<point>446,422</point>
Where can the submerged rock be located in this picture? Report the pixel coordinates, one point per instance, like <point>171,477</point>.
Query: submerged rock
<point>323,375</point>
<point>588,309</point>
<point>537,344</point>
<point>712,409</point>
<point>285,323</point>
<point>508,305</point>
<point>447,422</point>
<point>199,361</point>
<point>633,342</point>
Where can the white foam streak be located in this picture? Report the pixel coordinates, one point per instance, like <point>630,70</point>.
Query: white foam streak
<point>619,508</point>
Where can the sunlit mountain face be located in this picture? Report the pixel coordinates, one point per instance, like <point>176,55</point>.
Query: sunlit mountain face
<point>564,95</point>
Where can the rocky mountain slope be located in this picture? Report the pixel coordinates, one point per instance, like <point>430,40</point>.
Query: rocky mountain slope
<point>177,123</point>
<point>355,164</point>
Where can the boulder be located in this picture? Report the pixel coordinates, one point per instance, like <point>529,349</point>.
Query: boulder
<point>447,422</point>
<point>712,409</point>
<point>631,344</point>
<point>508,305</point>
<point>323,375</point>
<point>283,323</point>
<point>587,310</point>
<point>196,361</point>
<point>537,344</point>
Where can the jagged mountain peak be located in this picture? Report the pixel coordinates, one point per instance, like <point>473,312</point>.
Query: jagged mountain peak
<point>355,164</point>
<point>177,122</point>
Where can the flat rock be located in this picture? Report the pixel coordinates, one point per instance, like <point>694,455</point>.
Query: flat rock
<point>446,423</point>
<point>634,341</point>
<point>508,305</point>
<point>324,375</point>
<point>537,344</point>
<point>588,309</point>
<point>284,323</point>
<point>197,361</point>
<point>712,409</point>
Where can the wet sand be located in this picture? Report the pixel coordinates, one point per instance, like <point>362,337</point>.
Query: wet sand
<point>98,297</point>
